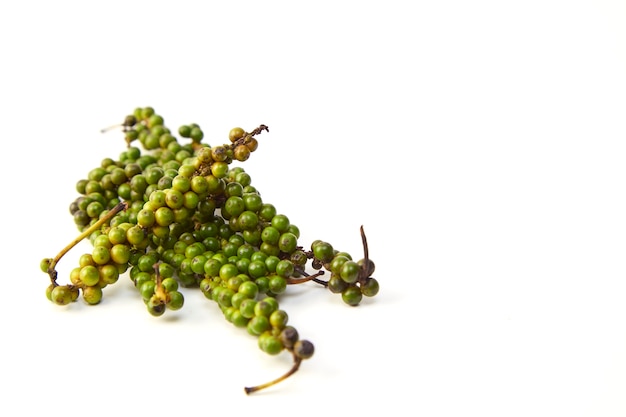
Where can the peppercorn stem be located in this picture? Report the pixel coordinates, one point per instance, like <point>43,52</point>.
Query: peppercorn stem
<point>158,289</point>
<point>106,129</point>
<point>367,266</point>
<point>307,277</point>
<point>296,364</point>
<point>365,249</point>
<point>259,130</point>
<point>108,216</point>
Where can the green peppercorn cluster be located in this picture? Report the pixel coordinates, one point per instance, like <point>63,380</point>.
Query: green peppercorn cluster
<point>171,211</point>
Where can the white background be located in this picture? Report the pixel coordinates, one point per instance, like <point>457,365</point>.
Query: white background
<point>481,145</point>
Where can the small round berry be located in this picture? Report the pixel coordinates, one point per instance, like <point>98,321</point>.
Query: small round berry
<point>270,344</point>
<point>236,133</point>
<point>49,289</point>
<point>248,307</point>
<point>196,134</point>
<point>368,269</point>
<point>241,153</point>
<point>289,336</point>
<point>277,284</point>
<point>352,295</point>
<point>278,319</point>
<point>184,131</point>
<point>323,251</point>
<point>287,242</point>
<point>370,288</point>
<point>303,349</point>
<point>258,324</point>
<point>155,306</point>
<point>249,289</point>
<point>109,274</point>
<point>61,295</point>
<point>101,255</point>
<point>219,169</point>
<point>92,295</point>
<point>337,262</point>
<point>285,268</point>
<point>349,271</point>
<point>44,265</point>
<point>336,285</point>
<point>120,254</point>
<point>89,275</point>
<point>175,300</point>
<point>219,153</point>
<point>170,284</point>
<point>251,143</point>
<point>280,222</point>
